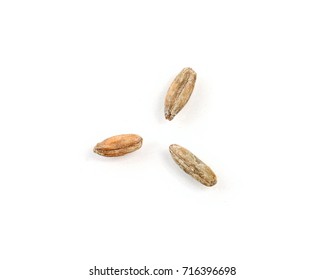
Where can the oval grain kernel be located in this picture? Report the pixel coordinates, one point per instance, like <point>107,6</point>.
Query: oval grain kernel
<point>179,92</point>
<point>118,145</point>
<point>192,165</point>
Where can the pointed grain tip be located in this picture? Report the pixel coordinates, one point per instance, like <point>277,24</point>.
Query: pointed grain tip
<point>169,116</point>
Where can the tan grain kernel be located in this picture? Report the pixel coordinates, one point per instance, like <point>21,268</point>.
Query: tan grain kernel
<point>192,165</point>
<point>179,92</point>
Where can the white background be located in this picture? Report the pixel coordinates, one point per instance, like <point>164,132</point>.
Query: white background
<point>73,73</point>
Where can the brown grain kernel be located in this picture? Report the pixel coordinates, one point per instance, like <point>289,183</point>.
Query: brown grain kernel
<point>118,145</point>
